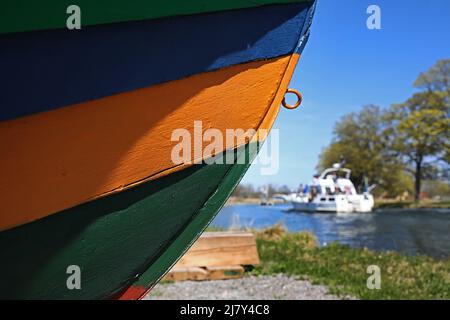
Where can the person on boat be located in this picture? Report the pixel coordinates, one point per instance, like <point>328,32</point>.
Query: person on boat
<point>313,193</point>
<point>348,190</point>
<point>366,184</point>
<point>306,189</point>
<point>334,177</point>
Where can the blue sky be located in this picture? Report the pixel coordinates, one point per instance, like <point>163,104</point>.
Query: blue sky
<point>345,66</point>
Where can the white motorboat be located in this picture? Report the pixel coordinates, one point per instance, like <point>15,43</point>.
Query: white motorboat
<point>333,191</point>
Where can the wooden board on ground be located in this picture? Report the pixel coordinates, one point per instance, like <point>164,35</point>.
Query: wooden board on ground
<point>225,272</point>
<point>222,249</point>
<point>191,273</point>
<point>216,255</point>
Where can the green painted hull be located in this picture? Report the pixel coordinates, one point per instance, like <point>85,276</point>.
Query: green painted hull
<point>24,15</point>
<point>130,238</point>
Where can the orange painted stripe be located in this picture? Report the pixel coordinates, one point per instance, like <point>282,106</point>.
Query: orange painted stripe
<point>58,159</point>
<point>272,112</point>
<point>139,291</point>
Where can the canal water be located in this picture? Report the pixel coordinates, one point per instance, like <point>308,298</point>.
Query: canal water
<point>408,231</point>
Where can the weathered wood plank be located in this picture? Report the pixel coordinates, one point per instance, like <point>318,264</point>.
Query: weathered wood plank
<point>225,272</point>
<point>208,273</point>
<point>189,273</point>
<point>115,238</point>
<point>20,15</point>
<point>108,156</point>
<point>221,249</point>
<point>112,59</point>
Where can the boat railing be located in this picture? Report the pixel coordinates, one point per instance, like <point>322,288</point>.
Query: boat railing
<point>328,171</point>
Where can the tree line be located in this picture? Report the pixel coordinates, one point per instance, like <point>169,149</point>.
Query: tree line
<point>249,191</point>
<point>405,147</point>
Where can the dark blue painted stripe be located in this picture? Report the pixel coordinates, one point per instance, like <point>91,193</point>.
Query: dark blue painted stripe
<point>45,70</point>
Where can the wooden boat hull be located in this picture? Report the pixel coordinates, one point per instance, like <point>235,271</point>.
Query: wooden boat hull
<point>20,15</point>
<point>87,173</point>
<point>58,68</point>
<point>140,231</point>
<point>101,137</point>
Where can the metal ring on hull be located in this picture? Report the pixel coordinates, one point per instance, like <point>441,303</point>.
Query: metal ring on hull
<point>299,99</point>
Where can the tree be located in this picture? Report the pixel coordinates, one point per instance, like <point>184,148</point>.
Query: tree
<point>418,129</point>
<point>436,79</point>
<point>245,191</point>
<point>413,136</point>
<point>359,138</point>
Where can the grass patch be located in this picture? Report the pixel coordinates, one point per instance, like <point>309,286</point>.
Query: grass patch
<point>343,269</point>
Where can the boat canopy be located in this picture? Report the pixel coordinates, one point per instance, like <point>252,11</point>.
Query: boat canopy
<point>335,169</point>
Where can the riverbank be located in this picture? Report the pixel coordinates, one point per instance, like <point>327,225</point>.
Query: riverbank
<point>408,231</point>
<point>293,266</point>
<point>424,204</point>
<point>344,270</point>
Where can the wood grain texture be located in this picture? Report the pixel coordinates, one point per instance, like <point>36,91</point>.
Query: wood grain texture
<point>55,160</point>
<point>21,15</point>
<point>42,71</point>
<point>225,272</point>
<point>203,218</point>
<point>187,273</point>
<point>215,249</point>
<point>108,237</point>
<point>113,239</point>
<point>200,274</point>
<point>185,239</point>
<point>126,239</point>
